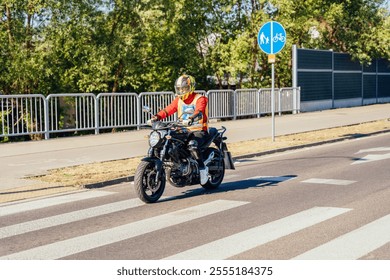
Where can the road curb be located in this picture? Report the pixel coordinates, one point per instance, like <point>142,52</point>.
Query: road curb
<point>109,182</point>
<point>274,151</point>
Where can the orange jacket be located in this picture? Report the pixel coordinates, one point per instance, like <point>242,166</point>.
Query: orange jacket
<point>200,106</point>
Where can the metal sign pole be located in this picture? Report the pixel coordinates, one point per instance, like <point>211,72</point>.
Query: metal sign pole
<point>271,39</point>
<point>273,85</point>
<point>273,101</point>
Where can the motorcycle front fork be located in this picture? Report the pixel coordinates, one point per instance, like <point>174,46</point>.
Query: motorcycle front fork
<point>159,164</point>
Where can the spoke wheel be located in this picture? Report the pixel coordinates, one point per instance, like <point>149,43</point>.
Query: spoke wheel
<point>216,169</point>
<point>147,188</point>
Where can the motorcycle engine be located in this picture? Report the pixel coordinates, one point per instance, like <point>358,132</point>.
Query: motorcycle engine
<point>180,174</point>
<point>185,168</point>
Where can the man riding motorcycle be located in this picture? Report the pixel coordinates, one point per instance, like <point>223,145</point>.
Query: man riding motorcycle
<point>198,121</point>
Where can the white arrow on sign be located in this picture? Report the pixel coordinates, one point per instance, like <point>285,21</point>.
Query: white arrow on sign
<point>373,157</point>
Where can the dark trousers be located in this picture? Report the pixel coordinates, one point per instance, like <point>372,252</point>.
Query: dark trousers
<point>200,138</point>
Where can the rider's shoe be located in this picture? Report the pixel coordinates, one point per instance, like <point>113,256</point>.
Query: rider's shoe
<point>204,175</point>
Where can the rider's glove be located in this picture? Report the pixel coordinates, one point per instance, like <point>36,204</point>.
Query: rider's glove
<point>152,120</point>
<point>187,122</point>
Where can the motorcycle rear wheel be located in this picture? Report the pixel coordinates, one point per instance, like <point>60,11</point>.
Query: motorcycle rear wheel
<point>216,169</point>
<point>146,187</point>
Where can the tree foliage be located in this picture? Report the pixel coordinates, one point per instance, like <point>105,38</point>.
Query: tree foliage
<point>51,46</point>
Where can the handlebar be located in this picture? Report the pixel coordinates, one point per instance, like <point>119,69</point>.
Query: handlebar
<point>159,125</point>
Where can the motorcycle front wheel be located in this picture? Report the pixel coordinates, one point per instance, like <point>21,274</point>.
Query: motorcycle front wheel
<point>148,189</point>
<point>216,169</point>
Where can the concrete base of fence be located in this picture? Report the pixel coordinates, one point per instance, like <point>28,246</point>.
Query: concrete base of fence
<point>318,105</point>
<point>345,103</point>
<point>384,100</point>
<point>369,101</point>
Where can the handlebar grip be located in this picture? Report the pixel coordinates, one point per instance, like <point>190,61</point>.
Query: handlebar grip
<point>187,122</point>
<point>149,122</point>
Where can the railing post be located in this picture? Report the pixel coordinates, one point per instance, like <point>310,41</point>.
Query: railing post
<point>235,109</point>
<point>139,109</point>
<point>97,124</point>
<point>46,118</point>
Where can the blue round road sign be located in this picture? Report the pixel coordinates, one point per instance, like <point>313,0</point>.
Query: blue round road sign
<point>271,37</point>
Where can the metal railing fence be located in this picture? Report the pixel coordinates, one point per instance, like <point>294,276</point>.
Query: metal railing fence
<point>70,112</point>
<point>289,100</point>
<point>247,102</point>
<point>221,104</point>
<point>22,114</point>
<point>35,114</point>
<point>117,110</point>
<point>265,100</point>
<point>156,101</point>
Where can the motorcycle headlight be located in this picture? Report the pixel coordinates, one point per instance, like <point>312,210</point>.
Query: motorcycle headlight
<point>154,138</point>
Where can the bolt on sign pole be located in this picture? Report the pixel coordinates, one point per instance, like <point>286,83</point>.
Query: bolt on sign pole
<point>271,40</point>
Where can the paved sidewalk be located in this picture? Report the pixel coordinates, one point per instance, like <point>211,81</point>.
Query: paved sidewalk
<point>18,160</point>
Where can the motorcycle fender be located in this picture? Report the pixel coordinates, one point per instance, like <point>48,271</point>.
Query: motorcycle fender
<point>153,159</point>
<point>227,157</point>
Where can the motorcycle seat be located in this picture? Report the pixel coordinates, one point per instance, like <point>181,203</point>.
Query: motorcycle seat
<point>212,132</point>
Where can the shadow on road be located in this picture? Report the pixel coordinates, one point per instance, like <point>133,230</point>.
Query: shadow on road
<point>256,182</point>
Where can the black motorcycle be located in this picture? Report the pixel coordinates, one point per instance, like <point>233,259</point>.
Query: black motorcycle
<point>169,159</point>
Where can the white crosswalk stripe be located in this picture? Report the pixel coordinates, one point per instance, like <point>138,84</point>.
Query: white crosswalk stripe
<point>276,179</point>
<point>68,217</point>
<point>353,245</point>
<point>246,240</point>
<point>329,182</point>
<point>51,201</point>
<point>90,241</point>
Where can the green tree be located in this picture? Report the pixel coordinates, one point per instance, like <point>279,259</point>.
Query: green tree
<point>50,46</point>
<point>358,27</point>
<point>23,56</point>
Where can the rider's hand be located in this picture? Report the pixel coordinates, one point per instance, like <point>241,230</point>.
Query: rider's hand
<point>152,120</point>
<point>187,122</point>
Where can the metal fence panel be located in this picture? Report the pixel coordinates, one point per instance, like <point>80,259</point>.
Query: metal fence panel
<point>247,102</point>
<point>221,103</point>
<point>329,79</point>
<point>117,110</point>
<point>202,92</point>
<point>347,85</point>
<point>80,108</point>
<point>22,114</point>
<point>156,101</point>
<point>265,100</point>
<point>288,99</point>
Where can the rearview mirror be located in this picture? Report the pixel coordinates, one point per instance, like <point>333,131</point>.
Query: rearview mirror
<point>146,109</point>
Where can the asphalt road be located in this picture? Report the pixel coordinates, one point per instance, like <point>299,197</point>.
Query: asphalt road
<point>327,202</point>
